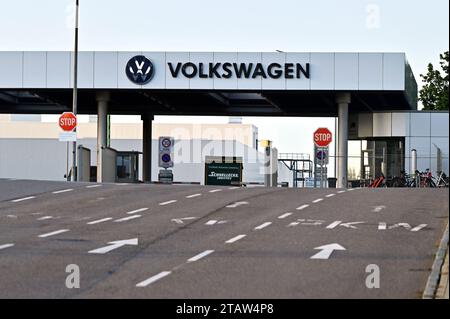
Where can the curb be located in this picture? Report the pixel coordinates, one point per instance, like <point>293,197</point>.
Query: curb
<point>433,279</point>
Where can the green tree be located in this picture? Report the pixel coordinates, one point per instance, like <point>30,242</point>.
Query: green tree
<point>434,93</point>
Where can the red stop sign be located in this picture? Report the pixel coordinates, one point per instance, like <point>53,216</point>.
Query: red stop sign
<point>322,137</point>
<point>67,121</point>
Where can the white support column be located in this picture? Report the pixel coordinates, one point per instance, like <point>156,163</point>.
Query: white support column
<point>342,99</point>
<point>102,105</point>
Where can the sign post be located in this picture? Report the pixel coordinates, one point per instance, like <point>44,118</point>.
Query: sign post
<point>68,123</point>
<point>322,138</point>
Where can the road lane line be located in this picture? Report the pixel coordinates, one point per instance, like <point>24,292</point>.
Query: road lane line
<point>234,239</point>
<point>137,210</point>
<point>124,219</point>
<point>237,204</point>
<point>284,215</point>
<point>293,224</point>
<point>53,233</point>
<point>63,191</point>
<point>200,256</point>
<point>330,195</point>
<point>234,187</point>
<point>419,227</point>
<point>45,217</point>
<point>153,279</point>
<point>193,195</point>
<point>93,186</point>
<point>211,222</point>
<point>215,190</point>
<point>351,189</point>
<point>340,192</point>
<point>6,246</point>
<point>22,199</point>
<point>168,202</point>
<point>98,221</point>
<point>317,200</point>
<point>302,207</point>
<point>264,225</point>
<point>334,224</point>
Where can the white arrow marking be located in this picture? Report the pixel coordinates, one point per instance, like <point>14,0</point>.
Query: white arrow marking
<point>153,279</point>
<point>53,233</point>
<point>6,246</point>
<point>114,245</point>
<point>234,205</point>
<point>193,195</point>
<point>124,219</point>
<point>180,220</point>
<point>326,251</point>
<point>340,223</point>
<point>377,209</point>
<point>168,202</point>
<point>63,191</point>
<point>22,199</point>
<point>200,256</point>
<point>137,210</point>
<point>98,221</point>
<point>302,207</point>
<point>284,215</point>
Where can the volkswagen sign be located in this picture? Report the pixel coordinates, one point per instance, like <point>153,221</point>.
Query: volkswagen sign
<point>139,70</point>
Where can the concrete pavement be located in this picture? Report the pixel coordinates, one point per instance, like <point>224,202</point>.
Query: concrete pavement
<point>216,242</point>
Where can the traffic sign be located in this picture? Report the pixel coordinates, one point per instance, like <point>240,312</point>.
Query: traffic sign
<point>321,155</point>
<point>67,121</point>
<point>322,137</point>
<point>166,144</point>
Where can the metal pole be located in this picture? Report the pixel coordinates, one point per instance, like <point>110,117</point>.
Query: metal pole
<point>75,93</point>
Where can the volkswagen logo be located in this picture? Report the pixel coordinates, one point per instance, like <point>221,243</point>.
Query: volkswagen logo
<point>139,70</point>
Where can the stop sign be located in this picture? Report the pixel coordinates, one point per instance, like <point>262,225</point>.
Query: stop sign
<point>67,121</point>
<point>322,137</point>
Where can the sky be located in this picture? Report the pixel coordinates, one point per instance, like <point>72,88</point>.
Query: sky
<point>417,27</point>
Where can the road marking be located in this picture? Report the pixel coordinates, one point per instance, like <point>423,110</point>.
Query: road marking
<point>193,195</point>
<point>317,200</point>
<point>351,189</point>
<point>168,202</point>
<point>93,186</point>
<point>6,246</point>
<point>63,191</point>
<point>419,227</point>
<point>377,209</point>
<point>45,217</point>
<point>122,184</point>
<point>264,225</point>
<point>234,239</point>
<point>98,221</point>
<point>330,195</point>
<point>200,256</point>
<point>211,222</point>
<point>153,279</point>
<point>234,205</point>
<point>340,223</point>
<point>326,251</point>
<point>11,216</point>
<point>293,224</point>
<point>284,215</point>
<point>53,233</point>
<point>215,190</point>
<point>114,245</point>
<point>181,220</point>
<point>234,187</point>
<point>137,210</point>
<point>124,219</point>
<point>22,199</point>
<point>302,207</point>
<point>340,192</point>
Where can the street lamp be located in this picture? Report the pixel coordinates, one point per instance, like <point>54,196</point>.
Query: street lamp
<point>75,93</point>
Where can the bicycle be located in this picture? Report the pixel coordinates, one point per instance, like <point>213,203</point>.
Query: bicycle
<point>441,180</point>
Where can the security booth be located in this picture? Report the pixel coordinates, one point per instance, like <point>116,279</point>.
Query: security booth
<point>127,167</point>
<point>222,170</point>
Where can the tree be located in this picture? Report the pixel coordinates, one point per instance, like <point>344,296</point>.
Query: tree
<point>434,93</point>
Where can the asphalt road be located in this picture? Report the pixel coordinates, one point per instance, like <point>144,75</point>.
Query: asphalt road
<point>215,242</point>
